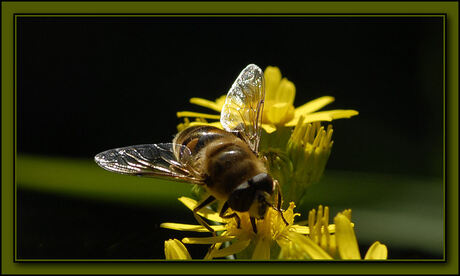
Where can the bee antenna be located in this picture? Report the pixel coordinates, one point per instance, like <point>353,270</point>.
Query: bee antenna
<point>278,210</point>
<point>278,188</point>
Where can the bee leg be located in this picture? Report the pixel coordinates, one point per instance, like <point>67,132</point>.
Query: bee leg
<point>232,215</point>
<point>278,207</point>
<point>253,223</point>
<point>203,204</point>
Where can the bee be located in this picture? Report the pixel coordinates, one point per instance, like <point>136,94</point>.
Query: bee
<point>225,161</point>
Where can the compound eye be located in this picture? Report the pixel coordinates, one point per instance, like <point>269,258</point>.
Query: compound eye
<point>260,205</point>
<point>242,197</point>
<point>263,182</point>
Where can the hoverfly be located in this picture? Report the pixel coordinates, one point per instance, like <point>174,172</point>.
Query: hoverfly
<point>225,162</point>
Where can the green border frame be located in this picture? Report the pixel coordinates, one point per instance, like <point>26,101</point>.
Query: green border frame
<point>448,9</point>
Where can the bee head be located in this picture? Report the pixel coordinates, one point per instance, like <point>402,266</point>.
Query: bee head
<point>259,205</point>
<point>253,196</point>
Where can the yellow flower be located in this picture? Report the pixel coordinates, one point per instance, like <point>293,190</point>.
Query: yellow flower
<point>269,230</point>
<point>175,250</point>
<point>274,239</point>
<point>300,161</point>
<point>279,107</point>
<point>343,244</point>
<point>296,158</point>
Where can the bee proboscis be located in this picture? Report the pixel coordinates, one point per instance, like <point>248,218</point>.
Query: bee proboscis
<point>224,161</point>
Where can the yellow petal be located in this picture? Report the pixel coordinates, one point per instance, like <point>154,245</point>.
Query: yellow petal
<point>269,128</point>
<point>190,227</point>
<point>310,107</point>
<point>272,77</point>
<point>204,212</point>
<point>331,115</point>
<point>196,114</point>
<point>175,250</point>
<point>215,248</point>
<point>307,245</point>
<point>208,240</point>
<point>262,249</point>
<point>206,103</point>
<point>290,251</point>
<point>377,251</point>
<point>306,230</point>
<point>221,101</point>
<point>234,248</point>
<point>332,248</point>
<point>214,124</point>
<point>285,92</point>
<point>289,214</point>
<point>314,105</point>
<point>188,202</point>
<point>345,238</point>
<point>325,116</point>
<point>279,113</point>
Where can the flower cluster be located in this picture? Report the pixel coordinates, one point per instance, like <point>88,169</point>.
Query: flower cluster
<point>295,147</point>
<point>275,239</point>
<point>299,162</point>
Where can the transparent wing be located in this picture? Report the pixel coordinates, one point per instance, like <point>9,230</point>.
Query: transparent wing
<point>243,107</point>
<point>151,160</point>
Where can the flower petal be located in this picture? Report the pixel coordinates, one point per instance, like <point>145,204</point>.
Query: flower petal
<point>214,124</point>
<point>204,212</point>
<point>314,105</point>
<point>175,250</point>
<point>269,128</point>
<point>279,113</point>
<point>180,114</point>
<point>325,116</point>
<point>289,214</point>
<point>377,251</point>
<point>206,103</point>
<point>234,248</point>
<point>214,248</point>
<point>208,240</point>
<point>190,227</point>
<point>272,75</point>
<point>262,249</point>
<point>306,230</point>
<point>285,92</point>
<point>221,101</point>
<point>305,244</point>
<point>345,238</point>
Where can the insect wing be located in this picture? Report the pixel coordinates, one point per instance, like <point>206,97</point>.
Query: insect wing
<point>151,160</point>
<point>243,107</point>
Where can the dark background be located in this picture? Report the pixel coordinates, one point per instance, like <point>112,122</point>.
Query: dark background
<point>90,84</point>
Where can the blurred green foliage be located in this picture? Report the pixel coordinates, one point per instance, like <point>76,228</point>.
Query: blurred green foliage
<point>84,178</point>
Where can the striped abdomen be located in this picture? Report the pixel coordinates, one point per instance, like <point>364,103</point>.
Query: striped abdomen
<point>224,159</point>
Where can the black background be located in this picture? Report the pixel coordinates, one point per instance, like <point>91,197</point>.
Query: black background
<point>91,84</point>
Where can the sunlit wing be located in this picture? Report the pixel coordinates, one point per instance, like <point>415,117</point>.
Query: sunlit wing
<point>151,160</point>
<point>243,107</point>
